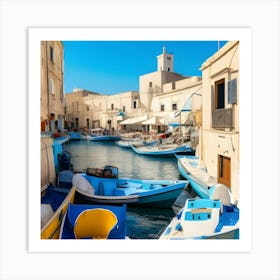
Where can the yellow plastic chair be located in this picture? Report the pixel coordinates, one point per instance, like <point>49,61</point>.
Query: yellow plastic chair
<point>95,223</point>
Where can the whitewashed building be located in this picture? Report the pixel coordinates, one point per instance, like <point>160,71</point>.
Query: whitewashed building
<point>161,97</point>
<point>219,145</point>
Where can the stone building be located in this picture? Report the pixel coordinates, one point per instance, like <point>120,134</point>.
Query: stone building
<point>219,145</point>
<point>164,97</point>
<point>52,93</point>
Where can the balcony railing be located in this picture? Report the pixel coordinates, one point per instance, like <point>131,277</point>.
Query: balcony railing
<point>223,118</point>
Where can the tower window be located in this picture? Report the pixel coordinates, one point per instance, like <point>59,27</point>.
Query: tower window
<point>173,85</point>
<point>168,69</point>
<point>162,107</point>
<point>52,54</point>
<point>51,86</point>
<point>134,104</point>
<point>150,84</point>
<point>174,106</point>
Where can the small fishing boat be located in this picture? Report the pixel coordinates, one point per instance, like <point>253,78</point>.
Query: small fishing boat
<point>212,218</point>
<point>103,186</point>
<point>161,149</point>
<point>194,170</point>
<point>54,202</point>
<point>94,222</point>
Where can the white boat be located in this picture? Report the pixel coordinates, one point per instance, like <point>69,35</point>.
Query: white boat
<point>136,142</point>
<point>212,218</point>
<point>193,169</point>
<point>161,149</point>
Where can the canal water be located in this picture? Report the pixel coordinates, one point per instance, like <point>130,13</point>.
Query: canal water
<point>142,223</point>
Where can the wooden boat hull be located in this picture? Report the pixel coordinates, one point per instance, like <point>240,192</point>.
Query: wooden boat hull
<point>51,229</point>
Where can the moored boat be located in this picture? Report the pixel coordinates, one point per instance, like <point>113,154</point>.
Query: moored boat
<point>54,203</point>
<point>128,143</point>
<point>212,218</point>
<point>193,169</point>
<point>103,186</point>
<point>104,138</point>
<point>161,149</point>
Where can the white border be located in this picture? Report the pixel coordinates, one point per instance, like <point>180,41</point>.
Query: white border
<point>35,35</point>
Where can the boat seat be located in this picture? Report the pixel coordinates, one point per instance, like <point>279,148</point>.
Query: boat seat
<point>82,184</point>
<point>94,223</point>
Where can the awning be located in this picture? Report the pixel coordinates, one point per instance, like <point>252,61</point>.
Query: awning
<point>174,124</point>
<point>154,121</point>
<point>137,120</point>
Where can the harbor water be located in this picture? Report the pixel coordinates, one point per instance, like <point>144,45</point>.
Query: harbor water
<point>142,223</point>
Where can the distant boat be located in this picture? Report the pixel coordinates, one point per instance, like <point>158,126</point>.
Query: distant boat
<point>161,150</point>
<point>104,138</point>
<point>54,203</point>
<point>128,143</point>
<point>76,135</point>
<point>94,222</point>
<point>191,168</point>
<point>103,186</point>
<point>212,218</point>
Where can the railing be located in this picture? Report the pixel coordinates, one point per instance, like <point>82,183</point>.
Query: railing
<point>223,118</point>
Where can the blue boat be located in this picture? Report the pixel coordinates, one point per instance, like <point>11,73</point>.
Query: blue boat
<point>161,150</point>
<point>54,202</point>
<point>212,218</point>
<point>103,186</point>
<point>94,222</point>
<point>192,168</point>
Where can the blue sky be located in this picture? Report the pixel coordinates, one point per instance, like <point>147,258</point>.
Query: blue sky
<point>111,67</point>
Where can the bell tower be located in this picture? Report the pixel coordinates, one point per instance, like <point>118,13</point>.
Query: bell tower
<point>165,61</point>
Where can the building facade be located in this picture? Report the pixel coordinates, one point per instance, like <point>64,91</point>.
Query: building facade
<point>52,93</point>
<point>219,145</point>
<point>162,96</point>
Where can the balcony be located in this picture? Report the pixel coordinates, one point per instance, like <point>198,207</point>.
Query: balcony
<point>223,118</point>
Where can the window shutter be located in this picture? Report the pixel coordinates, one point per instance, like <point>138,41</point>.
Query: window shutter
<point>232,91</point>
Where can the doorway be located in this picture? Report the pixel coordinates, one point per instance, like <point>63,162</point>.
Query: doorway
<point>224,170</point>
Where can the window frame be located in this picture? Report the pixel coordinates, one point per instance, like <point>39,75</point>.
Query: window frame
<point>217,100</point>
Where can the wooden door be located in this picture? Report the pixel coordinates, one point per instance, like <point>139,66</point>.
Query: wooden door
<point>224,172</point>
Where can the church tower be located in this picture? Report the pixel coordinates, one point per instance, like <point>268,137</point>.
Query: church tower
<point>165,61</point>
